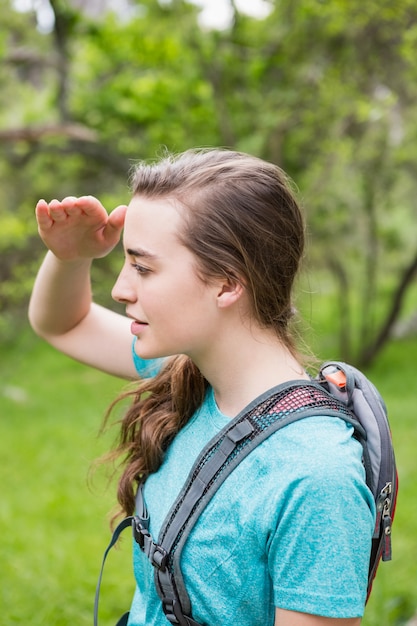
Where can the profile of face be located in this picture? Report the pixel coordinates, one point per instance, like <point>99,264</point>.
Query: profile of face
<point>173,310</point>
<point>206,229</point>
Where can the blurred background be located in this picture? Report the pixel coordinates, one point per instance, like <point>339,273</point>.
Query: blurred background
<point>327,89</point>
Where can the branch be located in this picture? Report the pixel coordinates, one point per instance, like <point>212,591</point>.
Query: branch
<point>99,152</point>
<point>34,134</point>
<point>26,56</point>
<point>80,140</point>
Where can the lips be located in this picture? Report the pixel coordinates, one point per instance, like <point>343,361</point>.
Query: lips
<point>137,327</point>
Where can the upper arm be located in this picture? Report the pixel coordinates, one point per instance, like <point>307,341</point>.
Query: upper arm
<point>102,339</point>
<point>292,618</point>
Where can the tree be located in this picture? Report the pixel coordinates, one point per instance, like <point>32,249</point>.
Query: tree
<point>324,89</point>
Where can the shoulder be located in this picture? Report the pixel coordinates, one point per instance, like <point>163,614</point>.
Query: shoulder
<point>312,465</point>
<point>313,445</point>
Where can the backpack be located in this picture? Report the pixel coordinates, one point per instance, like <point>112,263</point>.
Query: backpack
<point>339,390</point>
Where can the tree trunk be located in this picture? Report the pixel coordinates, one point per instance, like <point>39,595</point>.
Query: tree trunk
<point>371,350</point>
<point>344,328</point>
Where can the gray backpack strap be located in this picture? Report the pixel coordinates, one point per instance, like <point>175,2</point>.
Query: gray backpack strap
<point>271,411</point>
<point>125,523</point>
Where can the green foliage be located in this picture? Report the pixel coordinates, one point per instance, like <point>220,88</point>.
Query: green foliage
<point>325,89</point>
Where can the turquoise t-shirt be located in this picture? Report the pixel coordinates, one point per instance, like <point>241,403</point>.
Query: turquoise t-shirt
<point>291,526</point>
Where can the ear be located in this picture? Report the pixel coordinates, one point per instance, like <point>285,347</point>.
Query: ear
<point>230,292</point>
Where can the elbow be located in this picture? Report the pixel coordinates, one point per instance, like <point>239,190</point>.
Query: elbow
<point>33,321</point>
<point>40,324</point>
<point>36,325</point>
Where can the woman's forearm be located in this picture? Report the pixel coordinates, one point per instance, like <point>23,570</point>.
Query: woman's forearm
<point>61,295</point>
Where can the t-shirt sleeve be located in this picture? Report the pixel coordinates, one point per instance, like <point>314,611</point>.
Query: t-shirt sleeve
<point>146,368</point>
<point>319,553</point>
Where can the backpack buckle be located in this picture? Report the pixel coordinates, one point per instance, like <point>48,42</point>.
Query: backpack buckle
<point>173,612</point>
<point>155,553</point>
<point>139,532</point>
<point>158,556</point>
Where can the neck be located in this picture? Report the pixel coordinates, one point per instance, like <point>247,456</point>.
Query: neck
<point>245,363</point>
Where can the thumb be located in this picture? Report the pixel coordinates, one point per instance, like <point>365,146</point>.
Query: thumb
<point>117,218</point>
<point>115,223</point>
<point>113,228</point>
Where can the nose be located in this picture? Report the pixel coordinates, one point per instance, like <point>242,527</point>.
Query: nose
<point>122,290</point>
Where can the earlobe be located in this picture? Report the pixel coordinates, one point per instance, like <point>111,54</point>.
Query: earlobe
<point>229,294</point>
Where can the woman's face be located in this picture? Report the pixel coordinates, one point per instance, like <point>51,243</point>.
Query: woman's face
<point>172,310</point>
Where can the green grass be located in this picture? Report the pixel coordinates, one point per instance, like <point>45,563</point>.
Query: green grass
<point>54,525</point>
<point>53,522</point>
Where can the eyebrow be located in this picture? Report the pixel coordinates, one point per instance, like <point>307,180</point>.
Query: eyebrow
<point>139,252</point>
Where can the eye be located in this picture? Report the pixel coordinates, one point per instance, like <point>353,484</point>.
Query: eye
<point>141,269</point>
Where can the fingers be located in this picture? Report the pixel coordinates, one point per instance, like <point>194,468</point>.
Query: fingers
<point>57,211</point>
<point>90,206</point>
<point>42,215</point>
<point>71,206</point>
<point>54,211</point>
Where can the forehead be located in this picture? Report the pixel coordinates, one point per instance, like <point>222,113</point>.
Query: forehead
<point>151,222</point>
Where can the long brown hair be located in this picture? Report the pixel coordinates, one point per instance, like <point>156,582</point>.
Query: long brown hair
<point>242,222</point>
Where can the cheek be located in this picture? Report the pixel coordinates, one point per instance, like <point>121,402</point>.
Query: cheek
<point>176,297</point>
<point>159,297</point>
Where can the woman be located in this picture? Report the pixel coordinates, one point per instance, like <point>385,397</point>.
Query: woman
<point>213,240</point>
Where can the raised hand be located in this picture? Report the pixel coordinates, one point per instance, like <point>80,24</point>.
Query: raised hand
<point>77,228</point>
